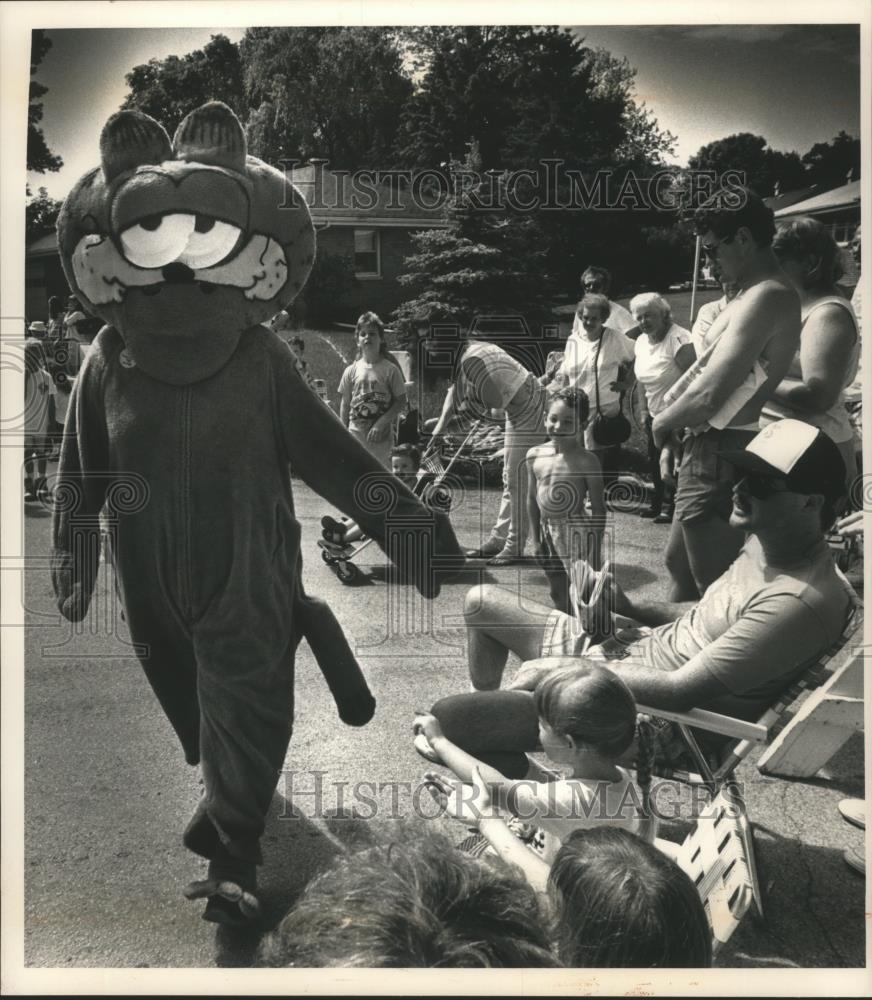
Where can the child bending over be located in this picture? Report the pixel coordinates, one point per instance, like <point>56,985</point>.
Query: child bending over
<point>563,476</point>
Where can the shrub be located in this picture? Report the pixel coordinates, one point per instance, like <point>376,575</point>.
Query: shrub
<point>329,290</point>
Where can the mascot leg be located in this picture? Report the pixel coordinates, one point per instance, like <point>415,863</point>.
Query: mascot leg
<point>246,715</point>
<point>171,669</point>
<point>172,674</point>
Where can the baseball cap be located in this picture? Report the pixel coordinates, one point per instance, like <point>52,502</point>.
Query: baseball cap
<point>803,455</point>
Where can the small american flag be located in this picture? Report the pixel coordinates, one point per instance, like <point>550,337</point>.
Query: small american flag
<point>432,463</point>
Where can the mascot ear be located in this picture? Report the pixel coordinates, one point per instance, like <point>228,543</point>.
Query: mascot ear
<point>130,139</point>
<point>212,135</point>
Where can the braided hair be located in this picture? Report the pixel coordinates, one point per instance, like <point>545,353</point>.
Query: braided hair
<point>646,754</point>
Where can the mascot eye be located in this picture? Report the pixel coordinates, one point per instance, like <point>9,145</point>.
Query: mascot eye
<point>157,240</point>
<point>210,242</point>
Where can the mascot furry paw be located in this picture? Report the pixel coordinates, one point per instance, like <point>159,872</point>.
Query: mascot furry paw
<point>184,248</point>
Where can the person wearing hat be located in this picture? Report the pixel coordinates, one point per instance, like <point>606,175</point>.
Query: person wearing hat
<point>764,622</point>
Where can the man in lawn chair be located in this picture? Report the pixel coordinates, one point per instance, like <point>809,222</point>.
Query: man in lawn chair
<point>770,617</point>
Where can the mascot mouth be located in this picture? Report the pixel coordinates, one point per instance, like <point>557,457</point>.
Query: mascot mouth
<point>206,287</point>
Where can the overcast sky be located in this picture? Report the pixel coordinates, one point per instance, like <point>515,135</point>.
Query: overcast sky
<point>793,84</point>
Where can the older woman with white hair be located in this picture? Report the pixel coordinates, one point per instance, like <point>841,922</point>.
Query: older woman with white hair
<point>663,351</point>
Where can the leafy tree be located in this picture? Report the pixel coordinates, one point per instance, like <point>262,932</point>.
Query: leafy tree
<point>764,168</point>
<point>830,163</point>
<point>168,89</point>
<point>523,94</point>
<point>644,143</point>
<point>331,92</point>
<point>41,215</point>
<point>39,157</point>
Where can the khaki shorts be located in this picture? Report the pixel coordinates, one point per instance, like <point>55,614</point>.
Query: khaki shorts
<point>705,479</point>
<point>564,636</point>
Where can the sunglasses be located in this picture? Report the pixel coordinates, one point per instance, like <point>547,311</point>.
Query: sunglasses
<point>764,487</point>
<point>711,249</point>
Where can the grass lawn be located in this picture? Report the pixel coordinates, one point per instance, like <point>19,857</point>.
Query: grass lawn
<point>328,352</point>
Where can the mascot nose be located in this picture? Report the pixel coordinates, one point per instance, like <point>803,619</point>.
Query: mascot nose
<point>177,273</point>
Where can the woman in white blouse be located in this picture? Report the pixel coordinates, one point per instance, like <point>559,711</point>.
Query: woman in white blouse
<point>599,360</point>
<point>663,351</point>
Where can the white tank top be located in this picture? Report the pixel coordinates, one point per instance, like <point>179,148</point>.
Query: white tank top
<point>834,421</point>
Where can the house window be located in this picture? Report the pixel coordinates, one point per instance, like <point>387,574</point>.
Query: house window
<point>367,258</point>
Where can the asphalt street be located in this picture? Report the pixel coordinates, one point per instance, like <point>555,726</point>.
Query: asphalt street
<point>108,792</point>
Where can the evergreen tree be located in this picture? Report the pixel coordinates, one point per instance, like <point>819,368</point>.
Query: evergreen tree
<point>489,261</point>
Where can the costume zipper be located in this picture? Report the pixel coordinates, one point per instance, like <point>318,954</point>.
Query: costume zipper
<point>185,508</point>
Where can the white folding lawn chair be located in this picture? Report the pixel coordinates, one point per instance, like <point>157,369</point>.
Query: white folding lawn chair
<point>713,855</point>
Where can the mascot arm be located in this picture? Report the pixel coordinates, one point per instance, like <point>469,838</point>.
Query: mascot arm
<point>330,460</point>
<point>82,480</point>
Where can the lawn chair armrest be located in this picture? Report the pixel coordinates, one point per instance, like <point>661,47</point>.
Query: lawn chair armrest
<point>712,722</point>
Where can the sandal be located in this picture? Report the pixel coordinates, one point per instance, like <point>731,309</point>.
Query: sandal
<point>333,531</point>
<point>504,559</point>
<point>227,902</point>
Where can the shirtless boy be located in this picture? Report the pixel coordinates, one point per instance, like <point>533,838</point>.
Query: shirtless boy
<point>563,475</point>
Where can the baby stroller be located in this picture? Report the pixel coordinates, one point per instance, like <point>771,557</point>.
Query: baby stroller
<point>431,476</point>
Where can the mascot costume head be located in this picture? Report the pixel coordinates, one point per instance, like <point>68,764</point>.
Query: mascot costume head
<point>183,246</point>
<point>185,398</point>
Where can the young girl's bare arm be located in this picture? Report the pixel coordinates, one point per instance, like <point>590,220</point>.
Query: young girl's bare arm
<point>534,517</point>
<point>596,492</point>
<point>515,852</point>
<point>344,399</point>
<point>459,761</point>
<point>471,804</point>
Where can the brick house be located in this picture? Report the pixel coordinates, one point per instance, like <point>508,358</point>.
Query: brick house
<point>43,276</point>
<point>356,217</point>
<point>369,220</point>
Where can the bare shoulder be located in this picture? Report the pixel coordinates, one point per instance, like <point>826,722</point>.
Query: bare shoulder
<point>588,462</point>
<point>539,451</point>
<point>767,308</point>
<point>772,292</point>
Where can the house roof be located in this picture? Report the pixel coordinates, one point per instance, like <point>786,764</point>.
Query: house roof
<point>846,196</point>
<point>43,246</point>
<point>369,198</point>
<point>778,201</point>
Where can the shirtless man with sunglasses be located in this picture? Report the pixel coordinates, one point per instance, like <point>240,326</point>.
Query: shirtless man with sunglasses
<point>761,324</point>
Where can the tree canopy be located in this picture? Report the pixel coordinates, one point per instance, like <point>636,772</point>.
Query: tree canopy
<point>522,94</point>
<point>39,157</point>
<point>764,168</point>
<point>41,215</point>
<point>170,88</point>
<point>334,92</point>
<point>830,164</point>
